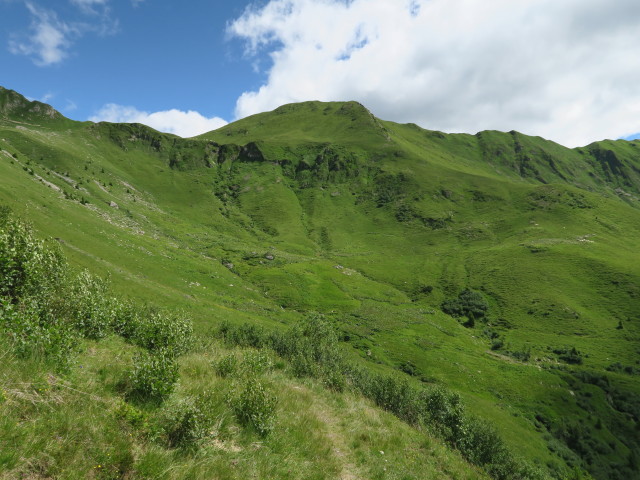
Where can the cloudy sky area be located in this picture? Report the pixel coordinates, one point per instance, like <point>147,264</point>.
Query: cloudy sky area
<point>565,70</point>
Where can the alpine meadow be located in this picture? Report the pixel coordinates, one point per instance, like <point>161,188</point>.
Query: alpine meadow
<point>315,293</point>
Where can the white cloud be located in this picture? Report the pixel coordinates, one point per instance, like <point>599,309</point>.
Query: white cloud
<point>564,70</point>
<point>88,6</point>
<point>184,124</point>
<point>70,106</point>
<point>47,97</point>
<point>49,40</point>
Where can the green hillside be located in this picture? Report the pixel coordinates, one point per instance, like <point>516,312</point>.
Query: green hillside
<point>499,266</point>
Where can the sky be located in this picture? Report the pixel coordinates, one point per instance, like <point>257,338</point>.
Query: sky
<point>567,70</point>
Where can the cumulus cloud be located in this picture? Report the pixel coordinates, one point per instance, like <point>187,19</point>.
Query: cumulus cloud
<point>184,124</point>
<point>49,40</point>
<point>564,70</point>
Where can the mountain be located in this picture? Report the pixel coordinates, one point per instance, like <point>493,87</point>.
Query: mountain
<point>498,265</point>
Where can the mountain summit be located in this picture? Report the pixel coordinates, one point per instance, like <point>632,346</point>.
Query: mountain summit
<point>444,278</point>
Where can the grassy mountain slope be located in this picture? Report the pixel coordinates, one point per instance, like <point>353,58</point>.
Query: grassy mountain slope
<point>322,207</point>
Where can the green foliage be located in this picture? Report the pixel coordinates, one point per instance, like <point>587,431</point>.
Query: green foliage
<point>469,304</point>
<point>28,268</point>
<point>256,362</point>
<point>246,335</point>
<point>132,415</point>
<point>30,278</point>
<point>569,355</point>
<point>312,349</point>
<point>89,305</point>
<point>620,368</point>
<point>153,377</point>
<point>44,310</point>
<point>161,331</point>
<point>34,331</point>
<point>187,423</point>
<point>227,366</point>
<point>254,405</point>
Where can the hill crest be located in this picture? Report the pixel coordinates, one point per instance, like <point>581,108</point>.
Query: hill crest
<point>14,106</point>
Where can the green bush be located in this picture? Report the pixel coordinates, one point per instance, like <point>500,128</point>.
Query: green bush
<point>245,335</point>
<point>256,362</point>
<point>313,350</point>
<point>469,304</point>
<point>162,331</point>
<point>569,355</point>
<point>253,405</point>
<point>444,413</point>
<point>126,318</point>
<point>89,306</point>
<point>154,376</point>
<point>153,329</point>
<point>33,331</point>
<point>186,423</point>
<point>28,267</point>
<point>133,416</point>
<point>226,366</point>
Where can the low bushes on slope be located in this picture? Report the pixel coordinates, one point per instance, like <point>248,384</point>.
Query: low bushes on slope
<point>312,349</point>
<point>45,311</point>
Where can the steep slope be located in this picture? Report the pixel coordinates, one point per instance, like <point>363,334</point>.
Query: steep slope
<point>323,207</point>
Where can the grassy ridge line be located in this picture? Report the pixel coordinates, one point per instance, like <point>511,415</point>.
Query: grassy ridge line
<point>611,167</point>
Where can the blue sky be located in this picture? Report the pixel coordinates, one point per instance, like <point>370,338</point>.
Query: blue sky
<point>567,71</point>
<point>149,54</point>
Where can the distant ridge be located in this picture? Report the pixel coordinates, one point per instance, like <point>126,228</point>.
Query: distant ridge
<point>14,106</point>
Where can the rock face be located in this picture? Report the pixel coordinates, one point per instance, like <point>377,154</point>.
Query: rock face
<point>113,204</point>
<point>12,104</point>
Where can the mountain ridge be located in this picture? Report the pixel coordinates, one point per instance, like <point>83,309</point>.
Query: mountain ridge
<point>378,227</point>
<point>606,163</point>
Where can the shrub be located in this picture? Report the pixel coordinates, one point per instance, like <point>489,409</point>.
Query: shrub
<point>89,306</point>
<point>133,416</point>
<point>161,331</point>
<point>27,266</point>
<point>445,413</point>
<point>481,443</point>
<point>569,355</point>
<point>126,318</point>
<point>312,350</point>
<point>334,380</point>
<point>154,376</point>
<point>245,335</point>
<point>254,406</point>
<point>469,304</point>
<point>226,366</point>
<point>523,355</point>
<point>256,362</point>
<point>186,423</point>
<point>34,332</point>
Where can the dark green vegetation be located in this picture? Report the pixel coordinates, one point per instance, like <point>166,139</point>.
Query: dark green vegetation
<point>500,267</point>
